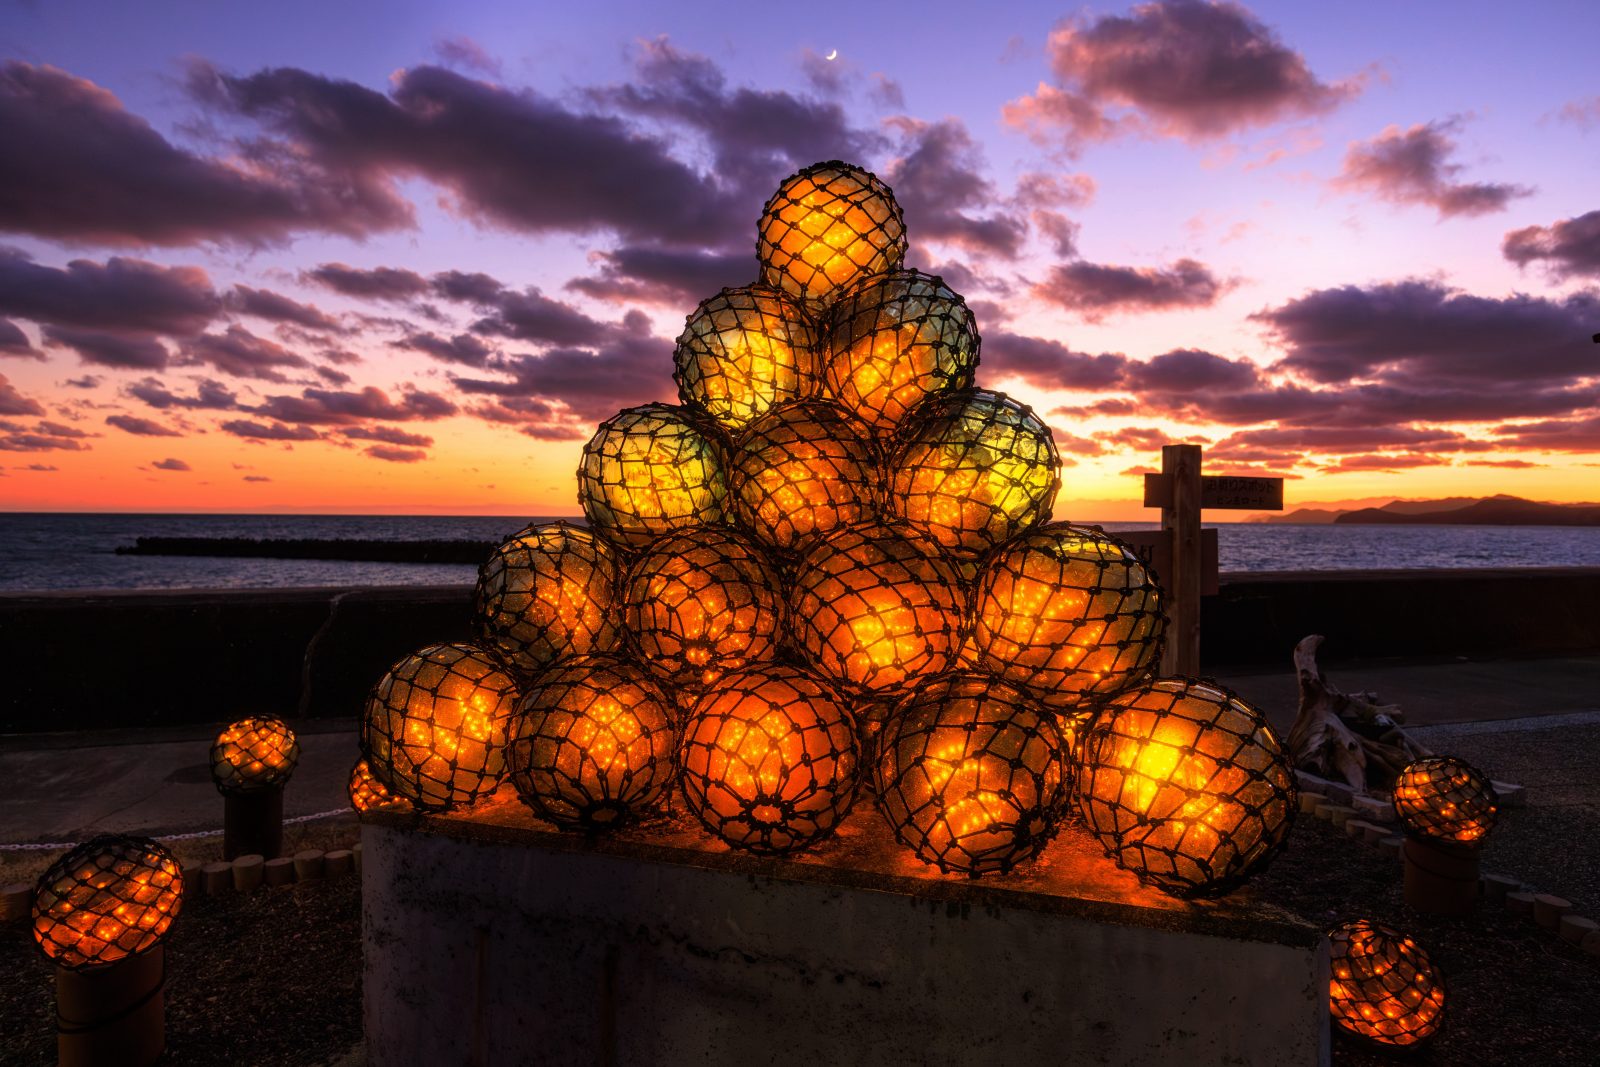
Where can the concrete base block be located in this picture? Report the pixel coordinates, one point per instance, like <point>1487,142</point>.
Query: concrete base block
<point>1549,908</point>
<point>489,938</point>
<point>1510,794</point>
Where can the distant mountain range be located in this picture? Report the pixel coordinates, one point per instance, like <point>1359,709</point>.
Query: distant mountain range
<point>1453,511</point>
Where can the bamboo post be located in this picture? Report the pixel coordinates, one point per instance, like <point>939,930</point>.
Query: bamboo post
<point>112,1016</point>
<point>252,823</point>
<point>1180,516</point>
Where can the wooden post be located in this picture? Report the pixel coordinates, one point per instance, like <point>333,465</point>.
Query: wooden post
<point>1180,516</point>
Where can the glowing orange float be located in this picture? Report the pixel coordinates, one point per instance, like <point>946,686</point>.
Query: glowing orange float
<point>700,603</point>
<point>1068,613</point>
<point>435,726</point>
<point>1187,786</point>
<point>594,745</point>
<point>1384,987</point>
<point>803,470</point>
<point>546,593</point>
<point>110,898</point>
<point>897,339</point>
<point>875,608</point>
<point>827,227</point>
<point>970,774</point>
<point>744,352</point>
<point>973,469</point>
<point>770,761</point>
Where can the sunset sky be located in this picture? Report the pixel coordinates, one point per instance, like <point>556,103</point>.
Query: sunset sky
<point>403,257</point>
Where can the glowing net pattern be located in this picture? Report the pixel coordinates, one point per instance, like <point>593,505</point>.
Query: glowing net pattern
<point>769,759</point>
<point>435,726</point>
<point>970,774</point>
<point>648,471</point>
<point>973,469</point>
<point>703,602</point>
<point>594,745</point>
<point>827,227</point>
<point>1067,613</point>
<point>1187,786</point>
<point>547,593</point>
<point>802,470</point>
<point>1384,987</point>
<point>875,607</point>
<point>112,897</point>
<point>366,793</point>
<point>256,753</point>
<point>743,352</point>
<point>897,339</point>
<point>1446,799</point>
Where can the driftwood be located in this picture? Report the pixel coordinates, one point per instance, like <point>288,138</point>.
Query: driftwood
<point>1346,735</point>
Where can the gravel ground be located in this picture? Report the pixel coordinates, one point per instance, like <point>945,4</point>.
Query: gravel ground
<point>274,977</point>
<point>1517,993</point>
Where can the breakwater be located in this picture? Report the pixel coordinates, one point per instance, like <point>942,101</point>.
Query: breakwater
<point>105,660</point>
<point>341,548</point>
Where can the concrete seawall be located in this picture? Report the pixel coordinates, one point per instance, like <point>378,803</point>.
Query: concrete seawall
<point>119,659</point>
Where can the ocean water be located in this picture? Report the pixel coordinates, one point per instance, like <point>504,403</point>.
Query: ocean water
<point>53,552</point>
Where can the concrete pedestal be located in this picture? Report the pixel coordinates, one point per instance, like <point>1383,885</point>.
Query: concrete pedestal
<point>492,939</point>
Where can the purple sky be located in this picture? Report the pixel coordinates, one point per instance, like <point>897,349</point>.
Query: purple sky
<point>404,257</point>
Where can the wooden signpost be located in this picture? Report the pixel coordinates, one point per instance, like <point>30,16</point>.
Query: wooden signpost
<point>1184,555</point>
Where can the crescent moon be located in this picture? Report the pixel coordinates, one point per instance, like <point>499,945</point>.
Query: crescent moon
<point>832,55</point>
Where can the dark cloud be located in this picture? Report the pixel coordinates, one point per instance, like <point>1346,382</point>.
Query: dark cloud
<point>13,342</point>
<point>938,179</point>
<point>330,407</point>
<point>630,367</point>
<point>137,351</point>
<point>537,418</point>
<point>377,283</point>
<point>755,137</point>
<point>88,381</point>
<point>1568,249</point>
<point>390,454</point>
<point>1046,364</point>
<point>389,435</point>
<point>141,427</point>
<point>209,395</point>
<point>242,354</point>
<point>466,287</point>
<point>1190,371</point>
<point>1095,290</point>
<point>78,166</point>
<point>1411,167</point>
<point>1176,68</point>
<point>1581,434</point>
<point>275,307</point>
<point>826,76</point>
<point>256,478</point>
<point>668,276</point>
<point>120,295</point>
<point>1427,337</point>
<point>170,465</point>
<point>44,436</point>
<point>333,376</point>
<point>529,315</point>
<point>14,403</point>
<point>255,431</point>
<point>463,348</point>
<point>509,158</point>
